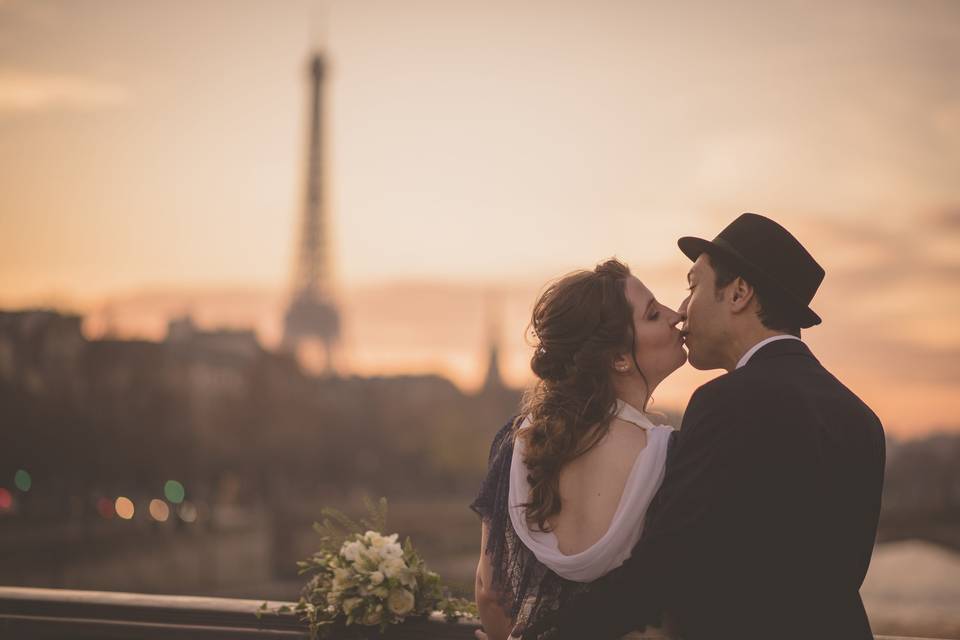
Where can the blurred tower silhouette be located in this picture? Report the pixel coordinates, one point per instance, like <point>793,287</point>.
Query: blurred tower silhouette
<point>492,381</point>
<point>312,314</point>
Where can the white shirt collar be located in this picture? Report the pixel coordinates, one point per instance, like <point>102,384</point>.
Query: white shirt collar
<point>749,354</point>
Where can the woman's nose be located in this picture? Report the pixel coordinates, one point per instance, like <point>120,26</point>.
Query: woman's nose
<point>676,317</point>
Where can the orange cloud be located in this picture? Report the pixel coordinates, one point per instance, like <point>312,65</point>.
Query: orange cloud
<point>25,91</point>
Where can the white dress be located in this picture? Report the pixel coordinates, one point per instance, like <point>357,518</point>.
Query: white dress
<point>626,527</point>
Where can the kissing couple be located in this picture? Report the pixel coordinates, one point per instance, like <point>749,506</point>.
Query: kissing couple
<point>756,519</point>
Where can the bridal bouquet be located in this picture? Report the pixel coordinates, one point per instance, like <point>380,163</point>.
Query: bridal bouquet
<point>367,578</point>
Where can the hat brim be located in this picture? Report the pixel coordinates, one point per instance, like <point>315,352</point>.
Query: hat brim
<point>693,247</point>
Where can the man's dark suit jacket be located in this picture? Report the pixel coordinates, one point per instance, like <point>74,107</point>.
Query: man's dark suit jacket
<point>766,519</point>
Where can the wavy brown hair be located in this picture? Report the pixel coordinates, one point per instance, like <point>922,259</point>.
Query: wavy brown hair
<point>580,324</point>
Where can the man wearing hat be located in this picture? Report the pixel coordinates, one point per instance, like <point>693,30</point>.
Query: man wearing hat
<point>766,519</point>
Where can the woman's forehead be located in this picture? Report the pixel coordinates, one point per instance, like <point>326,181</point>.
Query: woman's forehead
<point>637,293</point>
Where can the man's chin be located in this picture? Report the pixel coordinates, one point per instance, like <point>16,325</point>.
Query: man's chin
<point>698,362</point>
<point>703,366</point>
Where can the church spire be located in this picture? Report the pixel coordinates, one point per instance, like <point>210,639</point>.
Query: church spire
<point>493,380</point>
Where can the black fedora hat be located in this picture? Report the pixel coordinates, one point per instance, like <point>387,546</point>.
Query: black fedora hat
<point>767,256</point>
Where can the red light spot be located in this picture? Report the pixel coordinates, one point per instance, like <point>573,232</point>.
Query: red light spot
<point>6,500</point>
<point>105,507</point>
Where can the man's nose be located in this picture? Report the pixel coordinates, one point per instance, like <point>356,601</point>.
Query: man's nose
<point>682,311</point>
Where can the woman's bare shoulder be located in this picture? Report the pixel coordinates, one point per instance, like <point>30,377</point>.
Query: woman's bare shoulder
<point>625,435</point>
<point>619,447</point>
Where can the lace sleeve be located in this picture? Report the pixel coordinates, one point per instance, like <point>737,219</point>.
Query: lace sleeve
<point>527,588</point>
<point>497,479</point>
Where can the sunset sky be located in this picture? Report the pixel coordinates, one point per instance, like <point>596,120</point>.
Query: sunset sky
<point>151,160</point>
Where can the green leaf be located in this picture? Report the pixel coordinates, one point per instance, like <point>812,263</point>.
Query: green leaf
<point>376,519</point>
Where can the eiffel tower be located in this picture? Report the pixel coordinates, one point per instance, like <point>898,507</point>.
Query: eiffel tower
<point>312,315</point>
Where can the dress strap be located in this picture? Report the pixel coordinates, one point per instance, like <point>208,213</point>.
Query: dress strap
<point>626,411</point>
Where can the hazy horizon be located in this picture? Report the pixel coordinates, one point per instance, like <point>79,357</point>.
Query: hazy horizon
<point>445,328</point>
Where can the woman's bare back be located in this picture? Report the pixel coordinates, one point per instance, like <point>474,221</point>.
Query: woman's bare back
<point>591,487</point>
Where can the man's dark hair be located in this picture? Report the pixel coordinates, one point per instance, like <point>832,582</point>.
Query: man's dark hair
<point>775,312</point>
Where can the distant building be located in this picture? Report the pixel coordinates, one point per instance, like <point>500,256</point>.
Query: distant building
<point>41,350</point>
<point>236,343</point>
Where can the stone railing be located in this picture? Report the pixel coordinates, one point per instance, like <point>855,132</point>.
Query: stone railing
<point>59,614</point>
<point>53,614</point>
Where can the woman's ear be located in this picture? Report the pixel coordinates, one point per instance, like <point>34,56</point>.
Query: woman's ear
<point>622,363</point>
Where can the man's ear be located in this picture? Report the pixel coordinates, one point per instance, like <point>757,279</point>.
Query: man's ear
<point>741,293</point>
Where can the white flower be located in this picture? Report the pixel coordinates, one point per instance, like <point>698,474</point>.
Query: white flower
<point>400,602</point>
<point>376,577</point>
<point>380,592</point>
<point>369,559</point>
<point>351,550</point>
<point>377,540</point>
<point>392,566</point>
<point>408,578</point>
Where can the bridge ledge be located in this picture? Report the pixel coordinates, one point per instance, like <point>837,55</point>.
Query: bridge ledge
<point>54,614</point>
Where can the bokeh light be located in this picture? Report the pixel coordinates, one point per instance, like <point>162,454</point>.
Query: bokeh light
<point>159,510</point>
<point>174,491</point>
<point>124,507</point>
<point>188,512</point>
<point>105,508</point>
<point>6,500</point>
<point>23,480</point>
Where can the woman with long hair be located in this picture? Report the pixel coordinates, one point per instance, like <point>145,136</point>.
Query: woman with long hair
<point>570,479</point>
